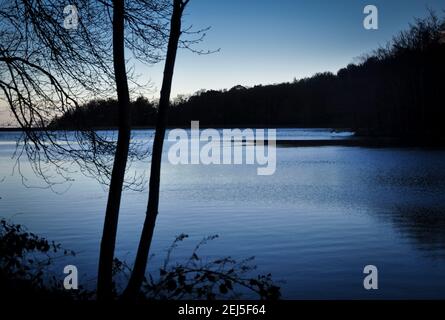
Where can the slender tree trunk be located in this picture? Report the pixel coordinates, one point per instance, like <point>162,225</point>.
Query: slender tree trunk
<point>105,281</point>
<point>140,264</point>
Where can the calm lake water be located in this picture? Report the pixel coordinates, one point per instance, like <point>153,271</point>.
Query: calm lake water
<point>325,214</point>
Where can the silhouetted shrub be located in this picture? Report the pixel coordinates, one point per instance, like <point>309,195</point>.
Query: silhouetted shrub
<point>26,260</point>
<point>197,278</point>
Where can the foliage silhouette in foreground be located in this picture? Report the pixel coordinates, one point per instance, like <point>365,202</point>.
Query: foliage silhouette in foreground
<point>200,278</point>
<point>26,260</point>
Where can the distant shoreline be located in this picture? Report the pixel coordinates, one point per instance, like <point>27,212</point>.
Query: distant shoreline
<point>16,129</point>
<point>354,141</point>
<point>365,142</point>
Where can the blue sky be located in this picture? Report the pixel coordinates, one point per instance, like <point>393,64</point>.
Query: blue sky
<point>273,41</point>
<point>267,41</point>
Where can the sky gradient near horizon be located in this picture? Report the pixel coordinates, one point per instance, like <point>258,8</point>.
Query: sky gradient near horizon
<point>267,41</point>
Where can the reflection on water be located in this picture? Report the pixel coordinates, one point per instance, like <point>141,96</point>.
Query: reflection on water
<point>424,226</point>
<point>325,214</point>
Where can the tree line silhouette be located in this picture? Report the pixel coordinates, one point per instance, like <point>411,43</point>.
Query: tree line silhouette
<point>396,90</point>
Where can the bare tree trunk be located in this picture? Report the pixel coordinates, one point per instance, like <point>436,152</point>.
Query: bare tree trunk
<point>105,281</point>
<point>140,264</point>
